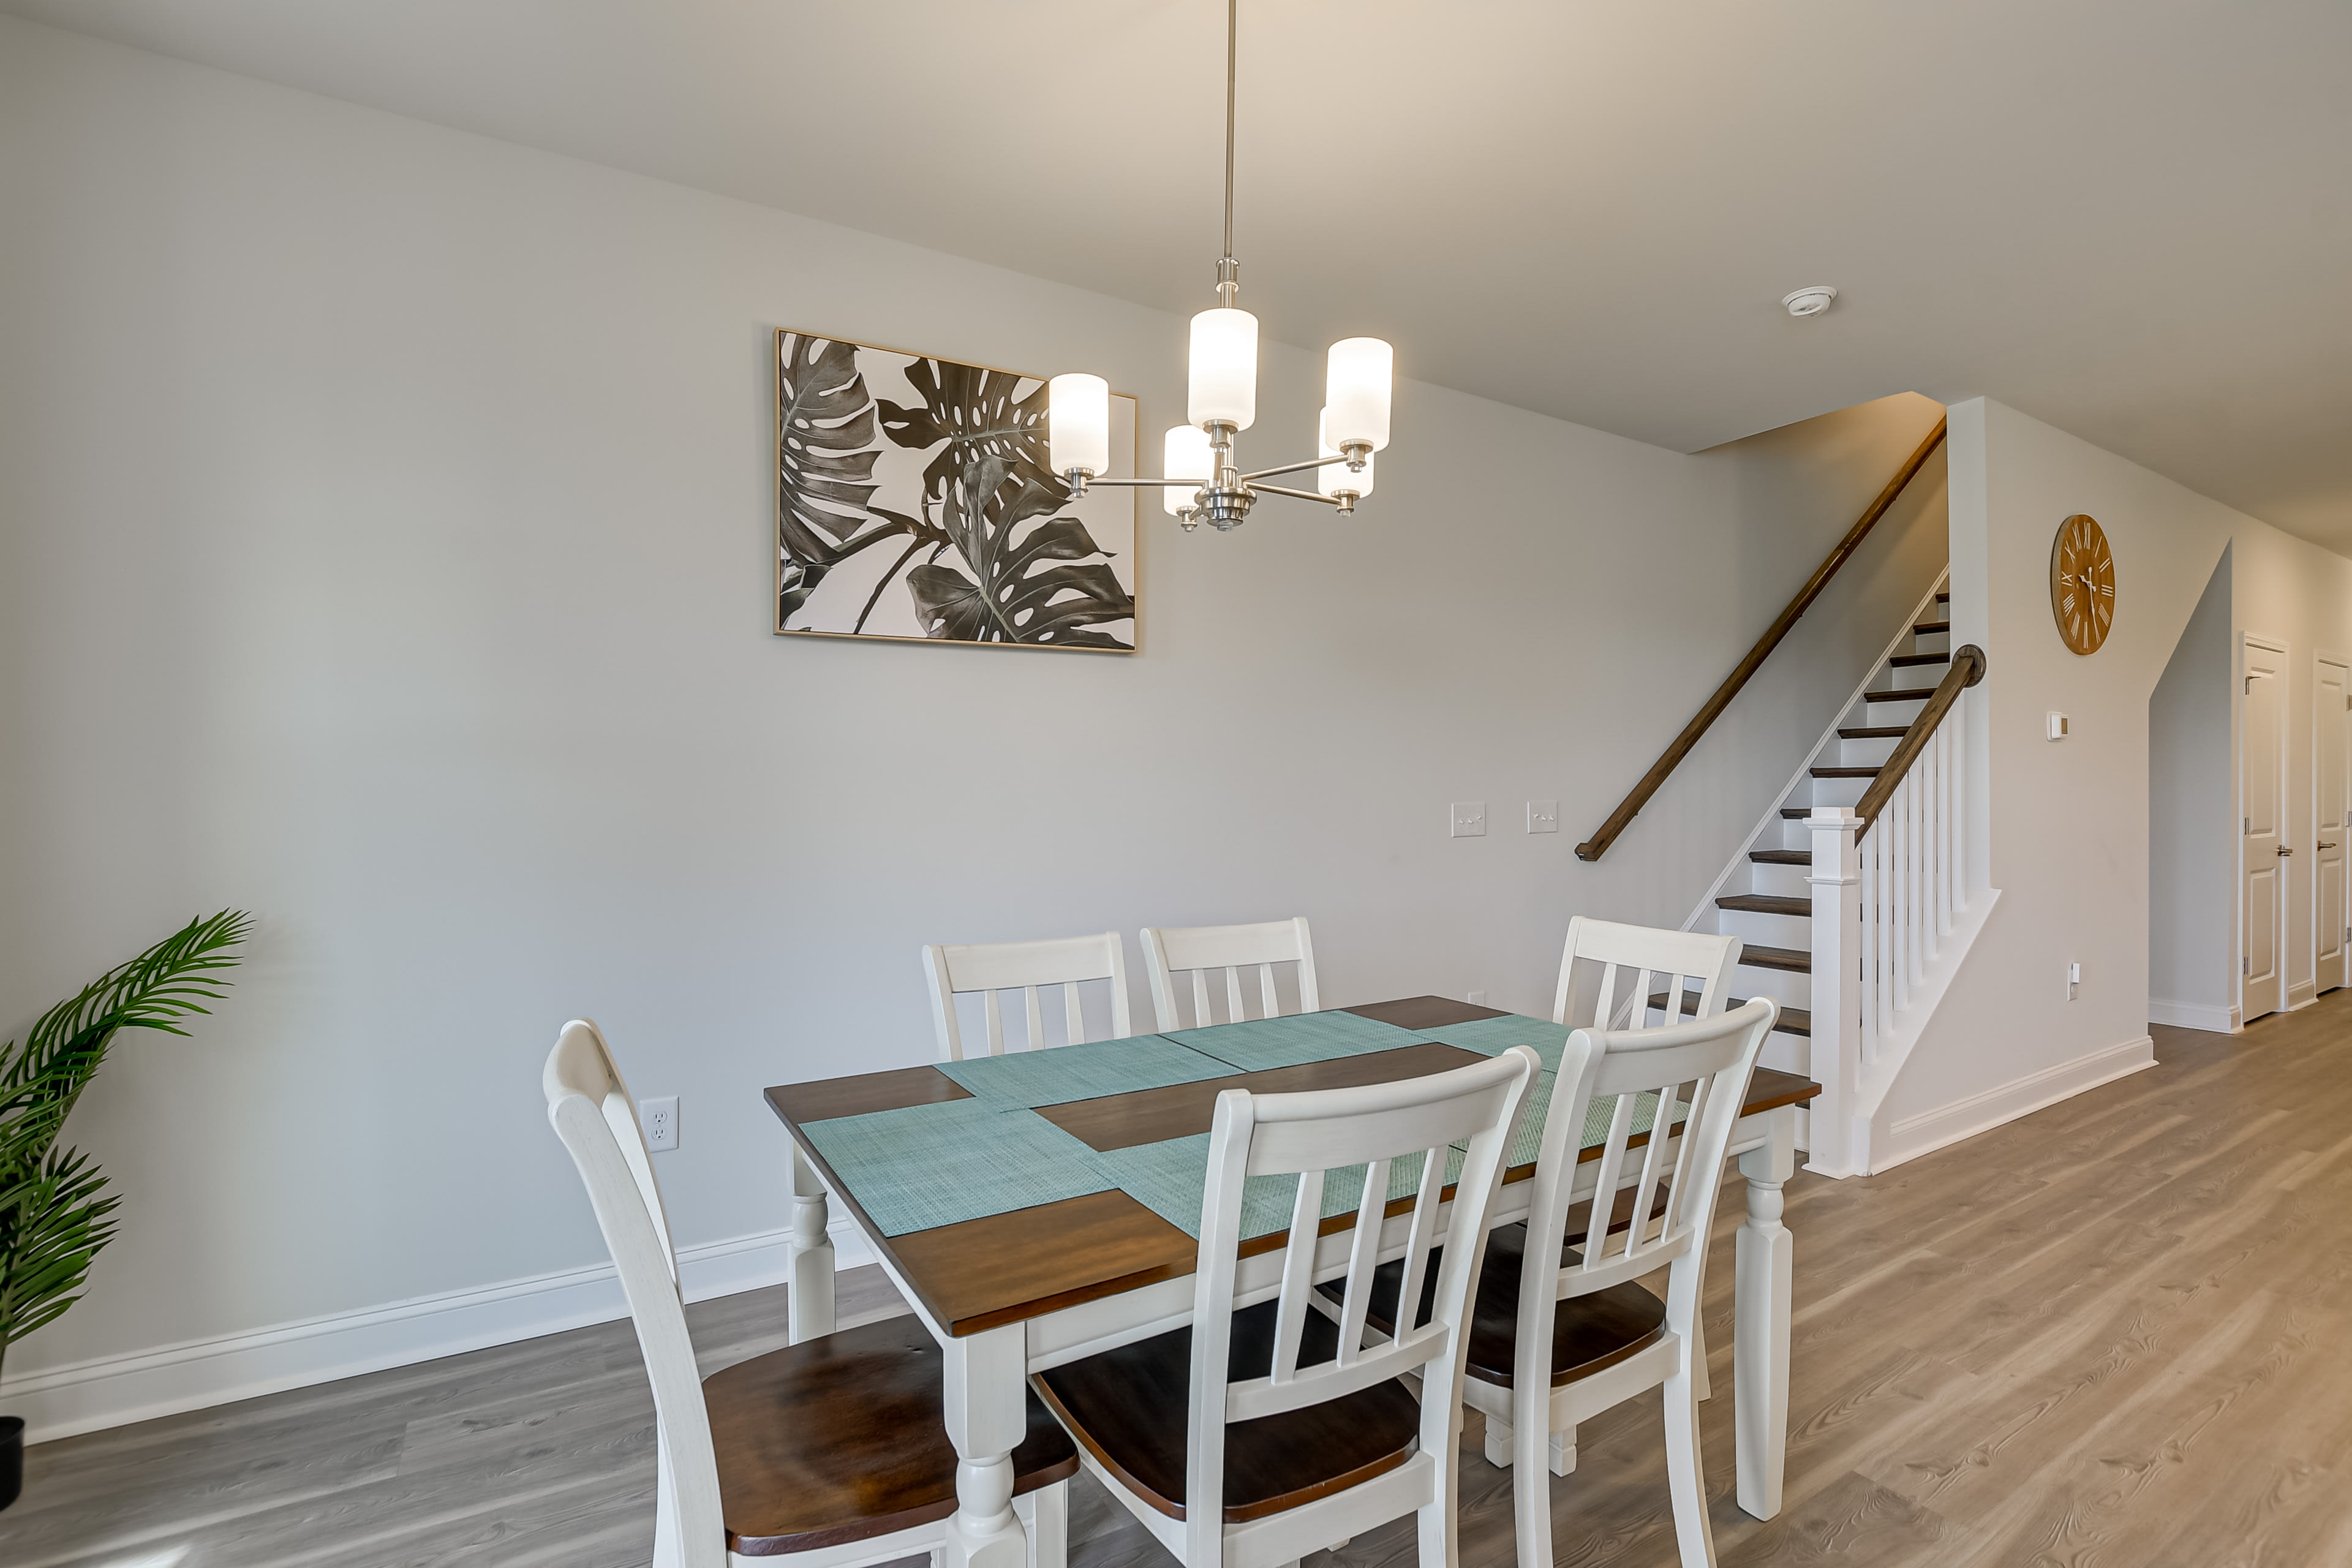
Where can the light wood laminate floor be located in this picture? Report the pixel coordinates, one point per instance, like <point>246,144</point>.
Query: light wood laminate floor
<point>2114,1333</point>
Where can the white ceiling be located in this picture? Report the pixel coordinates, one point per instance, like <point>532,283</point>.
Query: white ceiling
<point>2133,220</point>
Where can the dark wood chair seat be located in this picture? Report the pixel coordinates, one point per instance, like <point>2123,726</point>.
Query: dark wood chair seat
<point>840,1439</point>
<point>1589,1334</point>
<point>1128,1408</point>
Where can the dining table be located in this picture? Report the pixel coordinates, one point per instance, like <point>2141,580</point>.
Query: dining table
<point>1042,1205</point>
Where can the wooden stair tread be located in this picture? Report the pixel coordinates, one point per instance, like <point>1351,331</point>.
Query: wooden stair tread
<point>1874,733</point>
<point>1130,1407</point>
<point>1921,695</point>
<point>1791,1021</point>
<point>1796,813</point>
<point>1943,598</point>
<point>1765,904</point>
<point>1903,660</point>
<point>1929,629</point>
<point>838,1439</point>
<point>1794,960</point>
<point>1781,857</point>
<point>1845,772</point>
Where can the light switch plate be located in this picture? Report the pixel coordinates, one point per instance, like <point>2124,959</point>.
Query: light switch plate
<point>2057,722</point>
<point>1469,819</point>
<point>1543,816</point>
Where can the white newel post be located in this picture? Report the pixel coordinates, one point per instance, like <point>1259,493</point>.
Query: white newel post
<point>1836,881</point>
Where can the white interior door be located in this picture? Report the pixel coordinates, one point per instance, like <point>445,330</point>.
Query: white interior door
<point>2331,749</point>
<point>2265,852</point>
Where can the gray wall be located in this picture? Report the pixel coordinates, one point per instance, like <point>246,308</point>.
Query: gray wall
<point>384,547</point>
<point>2193,866</point>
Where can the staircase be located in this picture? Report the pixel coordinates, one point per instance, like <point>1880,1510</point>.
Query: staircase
<point>1881,902</point>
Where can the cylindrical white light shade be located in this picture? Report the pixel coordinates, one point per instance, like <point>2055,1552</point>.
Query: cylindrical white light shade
<point>1333,479</point>
<point>1224,368</point>
<point>1355,391</point>
<point>1186,457</point>
<point>1078,421</point>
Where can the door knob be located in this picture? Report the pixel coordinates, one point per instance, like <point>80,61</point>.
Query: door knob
<point>2324,844</point>
<point>2285,851</point>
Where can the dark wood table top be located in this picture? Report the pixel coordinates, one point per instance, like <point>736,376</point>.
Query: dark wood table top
<point>984,1273</point>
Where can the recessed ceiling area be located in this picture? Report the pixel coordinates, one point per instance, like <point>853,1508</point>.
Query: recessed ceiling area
<point>2131,221</point>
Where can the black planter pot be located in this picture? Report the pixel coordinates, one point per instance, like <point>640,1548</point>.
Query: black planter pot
<point>12,1458</point>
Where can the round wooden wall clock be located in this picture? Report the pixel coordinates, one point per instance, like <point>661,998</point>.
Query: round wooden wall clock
<point>2082,584</point>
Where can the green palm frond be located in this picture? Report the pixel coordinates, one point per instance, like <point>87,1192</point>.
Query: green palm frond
<point>55,1211</point>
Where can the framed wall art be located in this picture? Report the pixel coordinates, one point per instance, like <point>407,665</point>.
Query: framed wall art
<point>914,499</point>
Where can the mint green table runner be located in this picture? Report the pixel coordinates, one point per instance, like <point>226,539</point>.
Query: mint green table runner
<point>922,1166</point>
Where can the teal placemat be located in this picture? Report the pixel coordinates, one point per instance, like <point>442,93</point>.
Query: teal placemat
<point>925,1165</point>
<point>1264,1043</point>
<point>1061,1073</point>
<point>1493,1037</point>
<point>1169,1179</point>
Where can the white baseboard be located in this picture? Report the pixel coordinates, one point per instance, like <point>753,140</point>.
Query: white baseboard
<point>110,1391</point>
<point>1931,1129</point>
<point>2209,1016</point>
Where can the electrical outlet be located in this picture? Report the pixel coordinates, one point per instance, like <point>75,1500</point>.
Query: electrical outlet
<point>659,1116</point>
<point>1543,816</point>
<point>2074,981</point>
<point>1469,819</point>
<point>1475,998</point>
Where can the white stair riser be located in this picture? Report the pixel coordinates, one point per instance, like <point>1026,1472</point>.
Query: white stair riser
<point>1786,1053</point>
<point>1782,986</point>
<point>1772,931</point>
<point>1839,792</point>
<point>1789,881</point>
<point>1870,754</point>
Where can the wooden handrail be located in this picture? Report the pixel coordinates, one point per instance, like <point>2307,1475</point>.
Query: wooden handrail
<point>1968,668</point>
<point>1628,808</point>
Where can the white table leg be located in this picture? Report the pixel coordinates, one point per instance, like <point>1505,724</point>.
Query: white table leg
<point>809,1312</point>
<point>1759,1346</point>
<point>987,1416</point>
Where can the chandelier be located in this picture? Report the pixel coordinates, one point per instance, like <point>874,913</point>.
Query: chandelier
<point>1203,480</point>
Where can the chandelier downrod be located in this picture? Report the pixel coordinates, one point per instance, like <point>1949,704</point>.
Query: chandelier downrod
<point>1229,281</point>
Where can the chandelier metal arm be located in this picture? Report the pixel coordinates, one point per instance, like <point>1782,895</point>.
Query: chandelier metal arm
<point>1303,495</point>
<point>1355,465</point>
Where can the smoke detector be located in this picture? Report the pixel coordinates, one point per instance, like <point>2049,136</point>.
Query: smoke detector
<point>1810,301</point>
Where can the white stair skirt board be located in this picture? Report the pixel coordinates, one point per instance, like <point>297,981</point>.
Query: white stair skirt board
<point>111,1391</point>
<point>2208,1016</point>
<point>1880,1078</point>
<point>1931,1129</point>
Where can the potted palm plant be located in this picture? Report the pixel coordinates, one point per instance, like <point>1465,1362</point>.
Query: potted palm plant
<point>55,1210</point>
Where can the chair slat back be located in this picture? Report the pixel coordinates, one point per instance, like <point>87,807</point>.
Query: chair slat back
<point>1345,1137</point>
<point>1609,973</point>
<point>589,1104</point>
<point>1202,950</point>
<point>1027,967</point>
<point>1694,1072</point>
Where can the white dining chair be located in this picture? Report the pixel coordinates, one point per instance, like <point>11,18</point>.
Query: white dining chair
<point>1171,951</point>
<point>833,1451</point>
<point>1618,976</point>
<point>996,967</point>
<point>1607,967</point>
<point>1560,1336</point>
<point>1267,1429</point>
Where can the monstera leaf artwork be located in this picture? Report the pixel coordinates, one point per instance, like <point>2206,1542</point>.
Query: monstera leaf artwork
<point>915,498</point>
